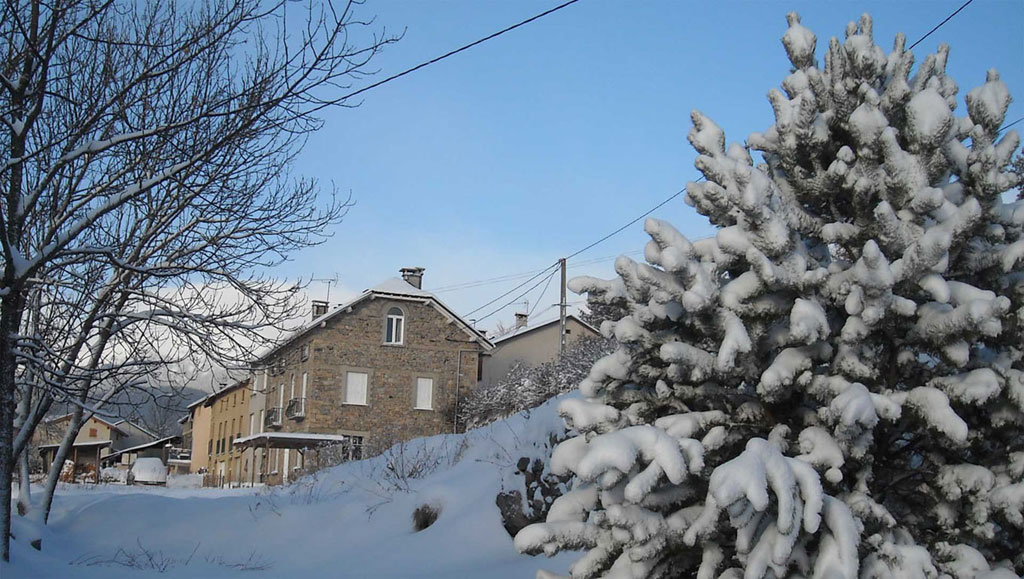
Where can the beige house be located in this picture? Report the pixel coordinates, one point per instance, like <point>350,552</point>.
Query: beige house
<point>96,439</point>
<point>195,433</point>
<point>253,456</point>
<point>385,367</point>
<point>237,410</point>
<point>532,346</point>
<point>229,411</point>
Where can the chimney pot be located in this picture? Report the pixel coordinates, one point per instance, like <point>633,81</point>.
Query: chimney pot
<point>319,308</point>
<point>413,276</point>
<point>521,320</point>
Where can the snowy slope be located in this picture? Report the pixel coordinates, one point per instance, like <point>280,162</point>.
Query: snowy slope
<point>349,521</point>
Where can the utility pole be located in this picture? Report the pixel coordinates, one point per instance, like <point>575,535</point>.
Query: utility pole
<point>561,312</point>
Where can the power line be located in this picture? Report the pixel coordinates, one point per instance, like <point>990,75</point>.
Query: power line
<point>458,50</point>
<point>556,264</point>
<point>470,284</point>
<point>1010,125</point>
<point>603,259</point>
<point>645,214</point>
<point>542,292</point>
<point>513,300</point>
<point>545,270</point>
<point>939,25</point>
<point>486,281</point>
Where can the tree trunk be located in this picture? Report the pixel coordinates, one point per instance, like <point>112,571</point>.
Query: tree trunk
<point>58,462</point>
<point>10,321</point>
<point>24,486</point>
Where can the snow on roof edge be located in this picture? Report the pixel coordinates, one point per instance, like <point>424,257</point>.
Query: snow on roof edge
<point>391,287</point>
<point>144,445</point>
<point>113,425</point>
<point>137,425</point>
<point>528,329</point>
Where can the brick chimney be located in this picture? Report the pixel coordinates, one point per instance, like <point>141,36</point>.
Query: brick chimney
<point>413,276</point>
<point>319,308</point>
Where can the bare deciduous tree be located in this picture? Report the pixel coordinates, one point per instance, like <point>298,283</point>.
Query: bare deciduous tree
<point>147,149</point>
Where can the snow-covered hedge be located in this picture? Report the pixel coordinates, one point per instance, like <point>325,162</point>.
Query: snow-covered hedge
<point>527,387</point>
<point>833,386</point>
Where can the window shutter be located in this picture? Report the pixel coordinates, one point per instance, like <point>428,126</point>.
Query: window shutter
<point>424,393</point>
<point>355,388</point>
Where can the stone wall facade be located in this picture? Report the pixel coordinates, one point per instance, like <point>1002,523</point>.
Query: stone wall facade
<point>353,341</point>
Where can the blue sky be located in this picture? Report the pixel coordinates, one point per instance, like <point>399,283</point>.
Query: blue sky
<point>531,146</point>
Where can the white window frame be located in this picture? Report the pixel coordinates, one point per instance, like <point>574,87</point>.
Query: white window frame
<point>263,418</point>
<point>347,398</point>
<point>284,469</point>
<point>305,382</point>
<point>395,321</point>
<point>416,393</point>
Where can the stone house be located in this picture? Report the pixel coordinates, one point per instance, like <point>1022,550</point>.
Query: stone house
<point>387,366</point>
<point>532,345</point>
<point>96,439</point>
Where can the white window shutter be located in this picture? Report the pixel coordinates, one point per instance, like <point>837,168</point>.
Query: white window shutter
<point>424,393</point>
<point>355,388</point>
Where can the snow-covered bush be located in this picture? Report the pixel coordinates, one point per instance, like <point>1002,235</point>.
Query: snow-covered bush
<point>833,386</point>
<point>112,474</point>
<point>527,387</point>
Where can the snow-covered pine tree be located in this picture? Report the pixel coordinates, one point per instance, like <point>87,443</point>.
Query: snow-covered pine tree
<point>831,387</point>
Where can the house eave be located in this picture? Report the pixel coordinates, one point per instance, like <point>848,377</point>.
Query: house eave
<point>451,316</point>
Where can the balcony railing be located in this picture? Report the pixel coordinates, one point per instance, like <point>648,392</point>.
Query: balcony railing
<point>175,453</point>
<point>296,408</point>
<point>273,418</point>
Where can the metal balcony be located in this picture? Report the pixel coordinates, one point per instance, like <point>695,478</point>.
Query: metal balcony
<point>273,418</point>
<point>296,409</point>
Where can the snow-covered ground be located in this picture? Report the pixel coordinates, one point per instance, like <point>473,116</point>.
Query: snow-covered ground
<point>354,520</point>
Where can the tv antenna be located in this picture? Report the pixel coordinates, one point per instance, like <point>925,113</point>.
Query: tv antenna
<point>329,281</point>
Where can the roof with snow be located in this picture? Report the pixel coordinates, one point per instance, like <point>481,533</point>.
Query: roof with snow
<point>198,402</point>
<point>87,444</point>
<point>212,398</point>
<point>393,288</point>
<point>289,440</point>
<point>528,329</point>
<point>137,426</point>
<point>397,285</point>
<point>112,425</point>
<point>152,444</point>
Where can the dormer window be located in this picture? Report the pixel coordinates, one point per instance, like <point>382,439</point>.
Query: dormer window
<point>394,332</point>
